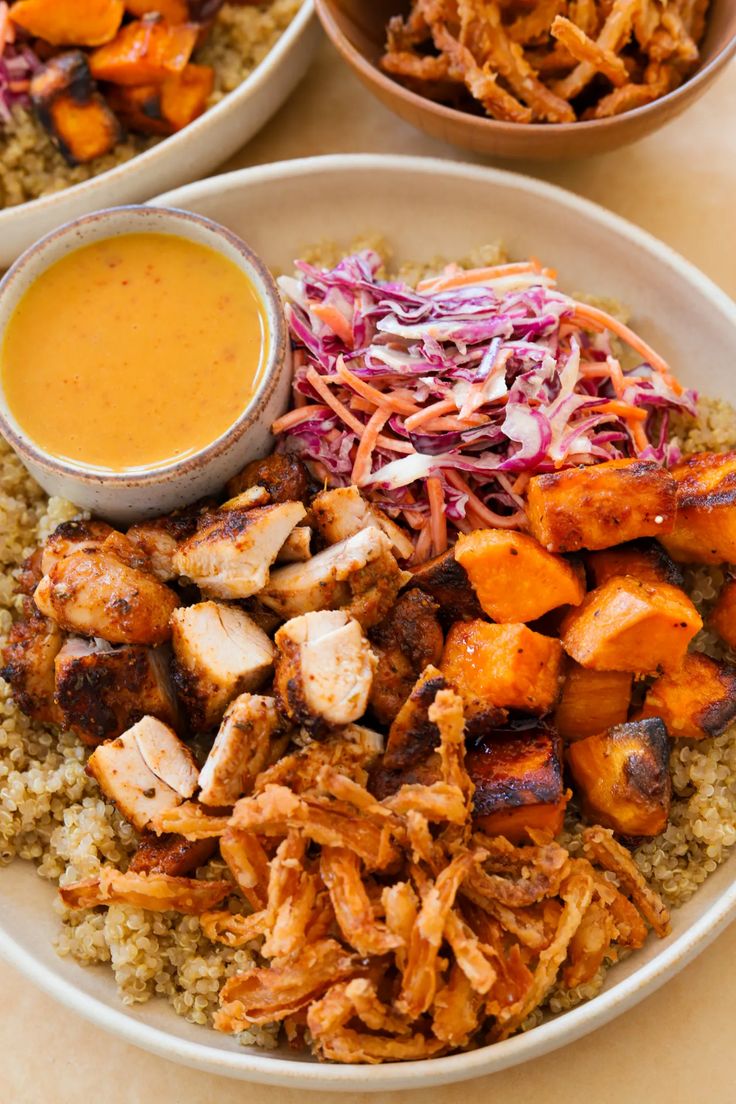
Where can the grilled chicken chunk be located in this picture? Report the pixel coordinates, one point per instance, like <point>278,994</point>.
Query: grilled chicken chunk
<point>324,670</point>
<point>101,690</point>
<point>297,546</point>
<point>240,751</point>
<point>343,512</point>
<point>350,751</point>
<point>30,573</point>
<point>447,582</point>
<point>28,658</point>
<point>230,554</point>
<point>145,771</point>
<point>158,540</point>
<point>220,652</point>
<point>284,478</point>
<point>405,642</point>
<point>73,536</point>
<point>322,583</point>
<point>171,854</point>
<point>97,594</point>
<point>247,499</point>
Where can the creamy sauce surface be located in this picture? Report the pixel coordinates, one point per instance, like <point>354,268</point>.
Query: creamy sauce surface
<point>133,352</point>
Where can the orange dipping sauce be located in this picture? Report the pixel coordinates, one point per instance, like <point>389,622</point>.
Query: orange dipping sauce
<point>133,352</point>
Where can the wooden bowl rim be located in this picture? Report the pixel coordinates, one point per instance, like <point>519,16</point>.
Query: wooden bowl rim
<point>393,88</point>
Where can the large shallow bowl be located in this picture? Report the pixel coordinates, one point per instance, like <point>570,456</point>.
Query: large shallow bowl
<point>423,208</point>
<point>357,29</point>
<point>192,153</point>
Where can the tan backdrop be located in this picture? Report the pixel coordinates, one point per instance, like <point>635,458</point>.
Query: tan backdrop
<point>678,1046</point>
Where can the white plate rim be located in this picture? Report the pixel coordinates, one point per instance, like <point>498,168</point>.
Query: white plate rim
<point>557,1032</point>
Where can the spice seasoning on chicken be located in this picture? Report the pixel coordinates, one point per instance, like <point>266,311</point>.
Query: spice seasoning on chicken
<point>134,352</point>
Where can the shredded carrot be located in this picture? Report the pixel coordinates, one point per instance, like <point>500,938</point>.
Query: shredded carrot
<point>362,462</point>
<point>336,321</point>
<point>623,410</point>
<point>438,521</point>
<point>444,406</point>
<point>479,509</point>
<point>423,545</point>
<point>372,394</point>
<point>637,432</point>
<point>478,275</point>
<point>296,417</point>
<point>320,385</point>
<point>19,86</point>
<point>587,316</point>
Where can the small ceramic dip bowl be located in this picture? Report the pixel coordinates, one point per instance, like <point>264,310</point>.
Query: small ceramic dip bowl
<point>137,492</point>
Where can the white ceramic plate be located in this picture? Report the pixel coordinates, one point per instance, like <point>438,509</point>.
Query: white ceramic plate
<point>424,208</point>
<point>188,155</point>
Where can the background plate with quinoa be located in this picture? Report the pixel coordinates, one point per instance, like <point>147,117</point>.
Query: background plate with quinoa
<point>51,812</point>
<point>259,54</point>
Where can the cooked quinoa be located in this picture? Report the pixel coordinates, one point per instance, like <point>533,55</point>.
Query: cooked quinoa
<point>53,814</point>
<point>30,164</point>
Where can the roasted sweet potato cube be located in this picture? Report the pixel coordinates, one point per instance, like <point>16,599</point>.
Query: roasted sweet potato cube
<point>627,625</point>
<point>447,582</point>
<point>184,95</point>
<point>69,22</point>
<point>592,701</point>
<point>601,505</point>
<point>71,109</point>
<point>705,526</point>
<point>163,108</point>
<point>622,777</point>
<point>139,108</point>
<point>723,615</point>
<point>503,666</point>
<point>518,783</point>
<point>514,578</point>
<point>144,52</point>
<point>696,701</point>
<point>644,559</point>
<point>175,11</point>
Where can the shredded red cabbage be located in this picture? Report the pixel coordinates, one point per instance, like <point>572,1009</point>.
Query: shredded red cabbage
<point>18,63</point>
<point>525,382</point>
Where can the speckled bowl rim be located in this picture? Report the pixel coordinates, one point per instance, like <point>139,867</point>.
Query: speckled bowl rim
<point>265,287</point>
<point>174,143</point>
<point>571,1025</point>
<point>394,87</point>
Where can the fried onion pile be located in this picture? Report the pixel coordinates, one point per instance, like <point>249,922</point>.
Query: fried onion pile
<point>390,930</point>
<point>553,61</point>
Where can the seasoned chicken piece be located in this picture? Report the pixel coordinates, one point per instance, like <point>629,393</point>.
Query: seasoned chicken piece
<point>230,554</point>
<point>171,854</point>
<point>405,642</point>
<point>101,690</point>
<point>324,670</point>
<point>446,580</point>
<point>297,546</point>
<point>30,573</point>
<point>158,540</point>
<point>145,771</point>
<point>96,594</point>
<point>240,751</point>
<point>343,512</point>
<point>322,582</point>
<point>283,476</point>
<point>73,536</point>
<point>374,589</point>
<point>350,750</point>
<point>248,499</point>
<point>220,652</point>
<point>412,736</point>
<point>28,658</point>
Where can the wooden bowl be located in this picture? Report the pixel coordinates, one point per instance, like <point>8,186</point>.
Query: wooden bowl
<point>357,29</point>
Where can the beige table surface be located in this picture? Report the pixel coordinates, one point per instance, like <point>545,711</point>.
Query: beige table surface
<point>679,1046</point>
